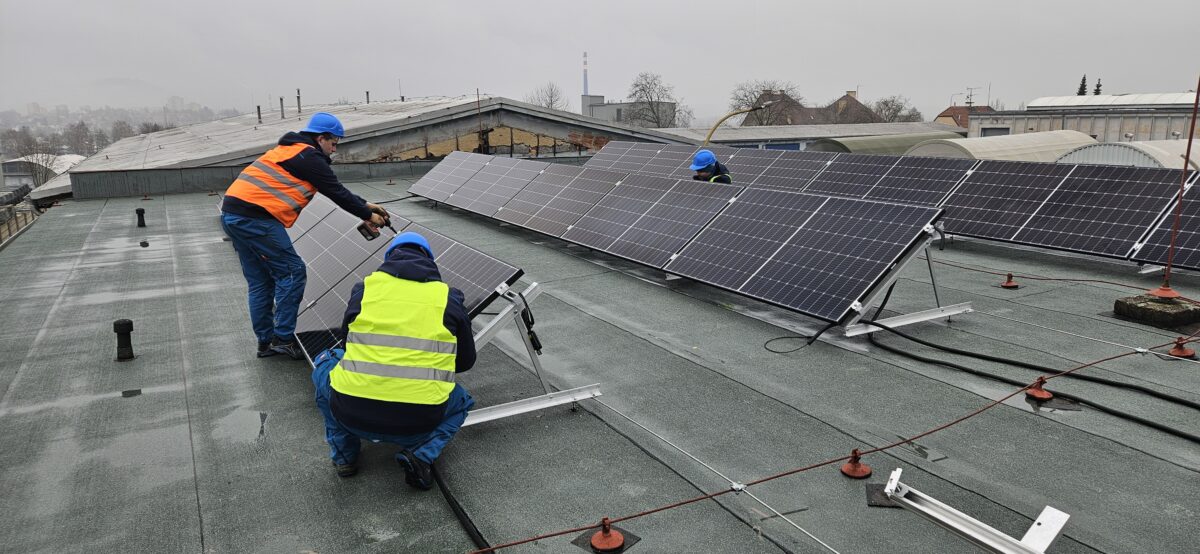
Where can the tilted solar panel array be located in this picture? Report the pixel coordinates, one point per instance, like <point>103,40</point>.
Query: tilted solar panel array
<point>1101,210</point>
<point>829,252</point>
<point>1187,242</point>
<point>337,257</point>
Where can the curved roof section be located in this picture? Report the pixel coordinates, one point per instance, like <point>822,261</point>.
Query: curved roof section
<point>1146,153</point>
<point>1172,99</point>
<point>60,164</point>
<point>784,133</point>
<point>885,144</point>
<point>1027,147</point>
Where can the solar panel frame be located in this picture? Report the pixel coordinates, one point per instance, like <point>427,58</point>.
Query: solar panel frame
<point>998,197</point>
<point>474,273</point>
<point>920,181</point>
<point>851,175</point>
<point>574,200</point>
<point>634,159</point>
<point>494,185</point>
<point>1101,210</point>
<point>613,214</point>
<point>1155,246</point>
<point>608,154</point>
<point>448,175</point>
<point>669,159</point>
<point>793,171</point>
<point>663,230</point>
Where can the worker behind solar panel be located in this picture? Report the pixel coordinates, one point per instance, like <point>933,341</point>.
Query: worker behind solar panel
<point>707,168</point>
<point>407,336</point>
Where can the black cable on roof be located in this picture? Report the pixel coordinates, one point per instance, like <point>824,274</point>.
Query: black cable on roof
<point>459,512</point>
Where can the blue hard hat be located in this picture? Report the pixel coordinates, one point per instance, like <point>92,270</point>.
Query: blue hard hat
<point>408,238</point>
<point>322,122</point>
<point>703,159</point>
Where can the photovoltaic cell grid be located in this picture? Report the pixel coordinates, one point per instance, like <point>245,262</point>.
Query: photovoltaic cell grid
<point>670,223</point>
<point>1187,242</point>
<point>748,164</point>
<point>574,200</point>
<point>839,255</point>
<point>620,208</point>
<point>448,175</point>
<point>669,160</point>
<point>317,209</point>
<point>638,155</point>
<point>608,155</point>
<point>495,184</point>
<point>1102,210</point>
<point>920,181</point>
<point>851,175</point>
<point>539,192</point>
<point>331,249</point>
<point>792,171</point>
<point>998,197</point>
<point>474,273</point>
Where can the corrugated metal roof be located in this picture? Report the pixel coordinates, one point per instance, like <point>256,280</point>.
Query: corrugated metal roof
<point>1029,147</point>
<point>1147,153</point>
<point>884,144</point>
<point>768,133</point>
<point>1113,100</point>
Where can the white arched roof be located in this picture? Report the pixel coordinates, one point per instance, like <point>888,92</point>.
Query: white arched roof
<point>1146,153</point>
<point>1027,147</point>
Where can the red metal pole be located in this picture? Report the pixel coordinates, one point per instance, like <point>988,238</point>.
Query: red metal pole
<point>1165,290</point>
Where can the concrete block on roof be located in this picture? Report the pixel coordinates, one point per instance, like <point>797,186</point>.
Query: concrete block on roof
<point>1157,311</point>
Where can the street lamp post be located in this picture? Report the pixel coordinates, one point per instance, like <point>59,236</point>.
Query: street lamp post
<point>731,114</point>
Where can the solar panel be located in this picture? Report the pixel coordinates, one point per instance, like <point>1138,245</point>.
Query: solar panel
<point>573,201</point>
<point>539,192</point>
<point>1102,210</point>
<point>319,325</point>
<point>1187,242</point>
<point>495,184</point>
<point>723,153</point>
<point>619,209</point>
<point>333,248</point>
<point>670,223</point>
<point>448,175</point>
<point>998,197</point>
<point>836,257</point>
<point>747,164</point>
<point>851,175</point>
<point>744,236</point>
<point>792,171</point>
<point>467,269</point>
<point>318,208</point>
<point>669,159</point>
<point>636,157</point>
<point>920,181</point>
<point>609,154</point>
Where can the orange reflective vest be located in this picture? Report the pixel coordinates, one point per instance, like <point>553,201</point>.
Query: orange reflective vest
<point>264,183</point>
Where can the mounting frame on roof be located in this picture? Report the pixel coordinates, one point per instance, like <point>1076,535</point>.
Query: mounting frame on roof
<point>516,303</point>
<point>853,328</point>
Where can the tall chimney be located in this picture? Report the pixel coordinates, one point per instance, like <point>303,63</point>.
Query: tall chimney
<point>585,87</point>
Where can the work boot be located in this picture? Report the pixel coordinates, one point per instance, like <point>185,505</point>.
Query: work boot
<point>417,473</point>
<point>265,350</point>
<point>346,470</point>
<point>291,349</point>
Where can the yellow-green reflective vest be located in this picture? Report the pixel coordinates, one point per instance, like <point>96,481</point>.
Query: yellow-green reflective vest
<point>398,348</point>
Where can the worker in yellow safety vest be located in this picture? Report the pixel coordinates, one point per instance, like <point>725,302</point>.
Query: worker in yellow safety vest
<point>265,200</point>
<point>407,336</point>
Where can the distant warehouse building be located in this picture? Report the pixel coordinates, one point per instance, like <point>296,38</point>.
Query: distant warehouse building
<point>1106,118</point>
<point>800,137</point>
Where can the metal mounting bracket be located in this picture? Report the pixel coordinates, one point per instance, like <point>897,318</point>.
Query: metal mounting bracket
<point>1036,540</point>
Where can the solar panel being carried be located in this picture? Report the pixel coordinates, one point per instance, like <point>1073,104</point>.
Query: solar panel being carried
<point>813,254</point>
<point>449,174</point>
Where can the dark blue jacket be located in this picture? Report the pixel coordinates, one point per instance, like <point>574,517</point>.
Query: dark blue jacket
<point>310,165</point>
<point>720,174</point>
<point>398,418</point>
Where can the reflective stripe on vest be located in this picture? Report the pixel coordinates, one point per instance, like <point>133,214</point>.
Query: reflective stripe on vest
<point>398,348</point>
<point>266,184</point>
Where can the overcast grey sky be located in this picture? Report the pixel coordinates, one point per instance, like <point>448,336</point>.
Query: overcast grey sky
<point>225,53</point>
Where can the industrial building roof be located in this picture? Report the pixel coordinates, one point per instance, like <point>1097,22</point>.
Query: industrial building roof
<point>780,133</point>
<point>197,445</point>
<point>1144,153</point>
<point>882,144</point>
<point>1031,147</point>
<point>1107,101</point>
<point>59,165</point>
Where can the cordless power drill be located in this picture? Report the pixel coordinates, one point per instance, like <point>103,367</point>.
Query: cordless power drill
<point>369,232</point>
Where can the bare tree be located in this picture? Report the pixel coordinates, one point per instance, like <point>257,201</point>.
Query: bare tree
<point>122,129</point>
<point>750,93</point>
<point>100,140</point>
<point>896,108</point>
<point>79,139</point>
<point>548,96</point>
<point>654,104</point>
<point>39,153</point>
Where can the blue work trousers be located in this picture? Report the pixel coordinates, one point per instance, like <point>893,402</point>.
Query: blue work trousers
<point>274,273</point>
<point>344,442</point>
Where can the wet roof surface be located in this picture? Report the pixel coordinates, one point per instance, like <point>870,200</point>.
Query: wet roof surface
<point>224,452</point>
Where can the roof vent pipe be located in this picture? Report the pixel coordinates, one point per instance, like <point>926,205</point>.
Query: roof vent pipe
<point>141,214</point>
<point>281,116</point>
<point>368,97</point>
<point>259,109</point>
<point>298,101</point>
<point>123,327</point>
